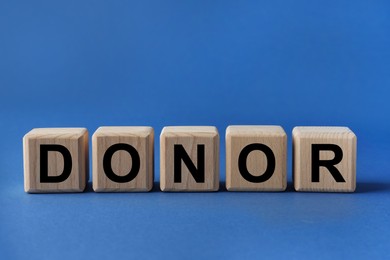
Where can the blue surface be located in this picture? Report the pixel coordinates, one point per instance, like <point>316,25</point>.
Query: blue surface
<point>157,63</point>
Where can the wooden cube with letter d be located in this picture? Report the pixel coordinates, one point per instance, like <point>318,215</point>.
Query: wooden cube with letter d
<point>55,160</point>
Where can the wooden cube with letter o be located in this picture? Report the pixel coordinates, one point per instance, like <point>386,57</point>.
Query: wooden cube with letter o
<point>256,158</point>
<point>122,159</point>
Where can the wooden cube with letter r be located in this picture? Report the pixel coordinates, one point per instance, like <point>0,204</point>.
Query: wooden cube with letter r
<point>189,158</point>
<point>55,160</point>
<point>324,159</point>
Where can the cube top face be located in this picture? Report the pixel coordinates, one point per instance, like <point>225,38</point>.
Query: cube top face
<point>39,143</point>
<point>192,141</point>
<point>336,132</point>
<point>272,139</point>
<point>206,131</point>
<point>138,131</point>
<point>255,130</point>
<point>324,159</point>
<point>133,156</point>
<point>59,133</point>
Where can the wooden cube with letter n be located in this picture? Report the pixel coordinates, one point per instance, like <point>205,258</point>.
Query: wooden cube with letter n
<point>189,158</point>
<point>256,158</point>
<point>55,160</point>
<point>123,159</point>
<point>324,159</point>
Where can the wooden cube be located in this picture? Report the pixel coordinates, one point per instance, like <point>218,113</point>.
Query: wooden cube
<point>123,159</point>
<point>324,159</point>
<point>55,160</point>
<point>189,158</point>
<point>256,158</point>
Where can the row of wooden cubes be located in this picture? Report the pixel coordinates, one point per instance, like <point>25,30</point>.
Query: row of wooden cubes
<point>56,159</point>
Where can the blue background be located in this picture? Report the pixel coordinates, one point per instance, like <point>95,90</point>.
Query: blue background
<point>158,63</point>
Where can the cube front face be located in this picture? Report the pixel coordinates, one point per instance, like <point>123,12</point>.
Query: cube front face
<point>267,149</point>
<point>324,159</point>
<point>188,143</point>
<point>123,159</point>
<point>64,152</point>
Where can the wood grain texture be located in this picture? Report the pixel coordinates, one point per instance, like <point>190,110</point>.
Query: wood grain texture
<point>189,137</point>
<point>75,140</point>
<point>139,137</point>
<point>303,138</point>
<point>238,137</point>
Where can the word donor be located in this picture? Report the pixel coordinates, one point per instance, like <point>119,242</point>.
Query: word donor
<point>57,159</point>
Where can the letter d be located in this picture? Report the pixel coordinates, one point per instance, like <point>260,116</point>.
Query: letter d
<point>44,154</point>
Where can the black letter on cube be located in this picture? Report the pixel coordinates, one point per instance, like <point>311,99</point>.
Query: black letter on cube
<point>197,172</point>
<point>44,154</point>
<point>136,163</point>
<point>316,163</point>
<point>270,163</point>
